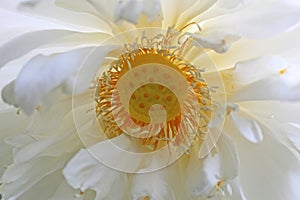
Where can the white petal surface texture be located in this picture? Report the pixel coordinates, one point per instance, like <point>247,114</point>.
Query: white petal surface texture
<point>85,172</point>
<point>9,119</point>
<point>89,6</point>
<point>248,127</point>
<point>23,44</point>
<point>282,118</point>
<point>267,78</point>
<point>257,19</point>
<point>40,150</point>
<point>204,175</point>
<point>268,169</point>
<point>294,135</point>
<point>153,185</point>
<point>196,8</point>
<point>44,73</point>
<point>8,94</point>
<point>49,12</point>
<point>86,74</point>
<point>131,10</point>
<point>17,179</point>
<point>172,9</point>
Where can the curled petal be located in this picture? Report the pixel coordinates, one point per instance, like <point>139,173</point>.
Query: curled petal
<point>85,172</point>
<point>8,94</point>
<point>44,73</point>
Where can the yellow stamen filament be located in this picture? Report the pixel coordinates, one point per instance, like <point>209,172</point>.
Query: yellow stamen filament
<point>189,24</point>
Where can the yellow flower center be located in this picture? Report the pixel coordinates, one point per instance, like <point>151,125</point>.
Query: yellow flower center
<point>152,93</point>
<point>146,75</point>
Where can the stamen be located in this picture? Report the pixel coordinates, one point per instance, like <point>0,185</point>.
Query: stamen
<point>189,24</point>
<point>183,122</point>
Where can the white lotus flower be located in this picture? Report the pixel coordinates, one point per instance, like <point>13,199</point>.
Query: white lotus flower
<point>93,69</point>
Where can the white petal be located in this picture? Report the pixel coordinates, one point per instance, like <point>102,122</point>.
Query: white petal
<point>105,10</point>
<point>90,7</point>
<point>160,184</point>
<point>45,188</point>
<point>131,10</point>
<point>18,179</point>
<point>8,94</point>
<point>272,46</point>
<point>29,3</point>
<point>37,153</point>
<point>248,127</point>
<point>152,185</point>
<point>57,105</point>
<point>234,190</point>
<point>258,19</point>
<point>280,117</point>
<point>273,88</point>
<point>65,191</point>
<point>15,23</point>
<point>21,45</point>
<point>11,123</point>
<point>291,74</point>
<point>85,172</point>
<point>77,5</point>
<point>277,112</point>
<point>221,164</point>
<point>152,9</point>
<point>202,175</point>
<point>89,68</point>
<point>80,171</point>
<point>116,152</point>
<point>48,11</point>
<point>173,9</point>
<point>227,189</point>
<point>7,75</point>
<point>228,157</point>
<point>267,168</point>
<point>31,150</point>
<point>206,9</point>
<point>253,70</point>
<point>294,135</point>
<point>229,4</point>
<point>268,80</point>
<point>196,9</point>
<point>42,74</point>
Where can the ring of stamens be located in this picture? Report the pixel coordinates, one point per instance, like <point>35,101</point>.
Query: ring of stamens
<point>150,94</point>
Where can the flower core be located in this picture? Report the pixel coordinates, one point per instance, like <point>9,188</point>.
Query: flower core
<point>152,93</point>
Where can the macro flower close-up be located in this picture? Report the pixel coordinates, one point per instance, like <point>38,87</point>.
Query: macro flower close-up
<point>149,100</point>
